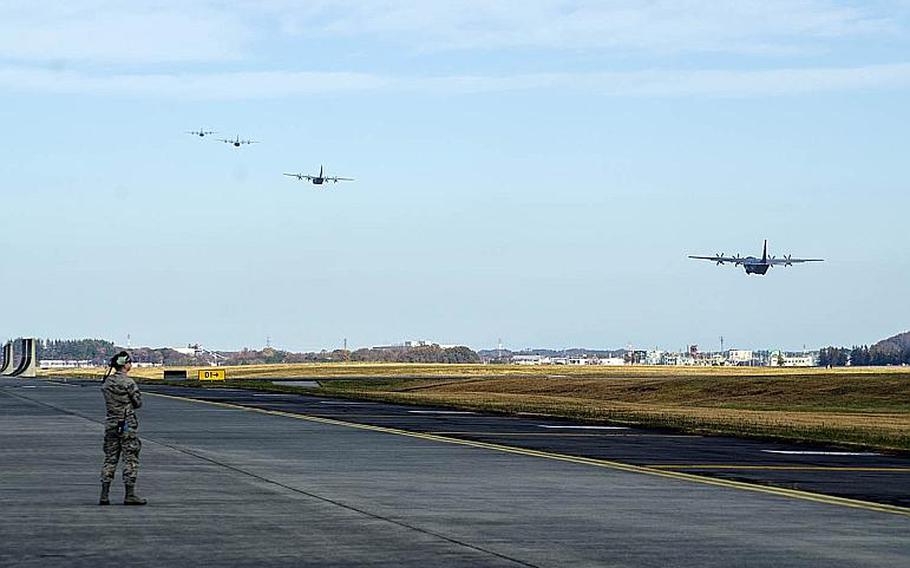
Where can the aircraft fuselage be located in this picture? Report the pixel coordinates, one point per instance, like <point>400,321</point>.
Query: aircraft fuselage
<point>318,181</point>
<point>755,265</point>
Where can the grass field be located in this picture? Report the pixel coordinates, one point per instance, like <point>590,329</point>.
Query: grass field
<point>852,406</point>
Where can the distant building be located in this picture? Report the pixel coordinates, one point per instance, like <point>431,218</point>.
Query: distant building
<point>407,344</point>
<point>711,359</point>
<point>637,357</point>
<point>690,357</point>
<point>64,364</point>
<point>609,361</point>
<point>529,360</point>
<point>190,350</point>
<point>740,357</point>
<point>655,358</point>
<point>782,359</point>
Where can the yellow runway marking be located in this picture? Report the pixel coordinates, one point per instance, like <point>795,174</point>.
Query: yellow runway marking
<point>565,434</point>
<point>759,467</point>
<point>619,466</point>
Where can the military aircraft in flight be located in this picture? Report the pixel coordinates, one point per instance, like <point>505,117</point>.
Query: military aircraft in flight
<point>319,179</point>
<point>202,132</point>
<point>237,142</point>
<point>755,265</point>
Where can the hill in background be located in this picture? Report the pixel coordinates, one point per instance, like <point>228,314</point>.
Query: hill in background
<point>894,350</point>
<point>895,343</point>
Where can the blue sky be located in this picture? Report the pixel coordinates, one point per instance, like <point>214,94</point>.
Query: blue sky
<point>534,171</point>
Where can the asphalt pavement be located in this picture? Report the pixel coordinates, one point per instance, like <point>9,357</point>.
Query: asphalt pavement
<point>875,476</point>
<point>361,485</point>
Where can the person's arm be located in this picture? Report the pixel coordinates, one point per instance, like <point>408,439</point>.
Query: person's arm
<point>135,396</point>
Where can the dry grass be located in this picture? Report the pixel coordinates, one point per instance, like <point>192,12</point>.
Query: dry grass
<point>890,430</point>
<point>861,406</point>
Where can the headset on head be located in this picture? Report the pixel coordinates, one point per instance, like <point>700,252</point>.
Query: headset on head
<point>117,362</point>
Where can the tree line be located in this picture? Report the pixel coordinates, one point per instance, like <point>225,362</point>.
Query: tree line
<point>863,356</point>
<point>100,351</point>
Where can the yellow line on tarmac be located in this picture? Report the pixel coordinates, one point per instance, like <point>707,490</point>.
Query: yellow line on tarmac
<point>619,466</point>
<point>884,469</point>
<point>563,434</point>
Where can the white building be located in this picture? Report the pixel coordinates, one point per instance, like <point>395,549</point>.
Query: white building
<point>781,359</point>
<point>64,364</point>
<point>678,359</point>
<point>739,356</point>
<point>654,358</point>
<point>528,360</point>
<point>713,359</point>
<point>192,350</point>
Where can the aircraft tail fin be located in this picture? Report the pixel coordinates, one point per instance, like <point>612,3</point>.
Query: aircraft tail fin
<point>764,252</point>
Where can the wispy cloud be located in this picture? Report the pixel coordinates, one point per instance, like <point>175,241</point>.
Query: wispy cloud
<point>162,48</point>
<point>140,31</point>
<point>146,31</point>
<point>652,83</point>
<point>649,25</point>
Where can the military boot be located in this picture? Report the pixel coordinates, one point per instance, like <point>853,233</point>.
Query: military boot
<point>131,498</point>
<point>105,493</point>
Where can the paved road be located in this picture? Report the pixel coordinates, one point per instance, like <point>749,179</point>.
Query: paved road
<point>868,476</point>
<point>239,487</point>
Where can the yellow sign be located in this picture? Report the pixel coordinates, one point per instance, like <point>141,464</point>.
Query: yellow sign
<point>211,375</point>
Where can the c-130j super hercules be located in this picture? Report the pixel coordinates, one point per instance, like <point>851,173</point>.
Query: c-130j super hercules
<point>320,178</point>
<point>755,265</point>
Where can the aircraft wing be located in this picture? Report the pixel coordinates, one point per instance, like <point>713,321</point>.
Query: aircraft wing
<point>719,259</point>
<point>788,261</point>
<point>337,179</point>
<point>300,176</point>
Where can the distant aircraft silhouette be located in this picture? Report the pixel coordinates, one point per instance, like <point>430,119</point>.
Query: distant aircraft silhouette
<point>319,179</point>
<point>202,133</point>
<point>237,142</point>
<point>755,265</point>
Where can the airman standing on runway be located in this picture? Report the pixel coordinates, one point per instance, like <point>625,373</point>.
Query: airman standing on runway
<point>121,435</point>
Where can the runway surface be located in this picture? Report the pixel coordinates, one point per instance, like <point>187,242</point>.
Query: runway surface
<point>234,486</point>
<point>868,476</point>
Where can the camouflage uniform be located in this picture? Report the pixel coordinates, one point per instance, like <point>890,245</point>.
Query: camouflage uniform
<point>122,397</point>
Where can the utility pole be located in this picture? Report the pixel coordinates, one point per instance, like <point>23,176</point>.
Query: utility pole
<point>345,343</point>
<point>721,343</point>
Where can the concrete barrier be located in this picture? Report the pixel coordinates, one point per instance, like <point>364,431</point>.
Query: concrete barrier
<point>28,367</point>
<point>8,357</point>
